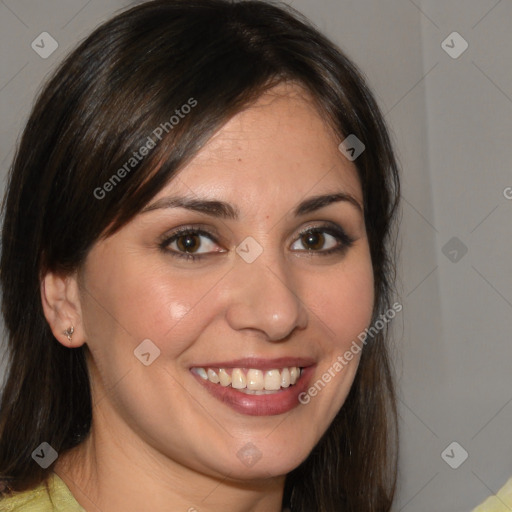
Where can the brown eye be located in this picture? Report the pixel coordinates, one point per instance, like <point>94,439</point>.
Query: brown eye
<point>322,240</point>
<point>188,243</point>
<point>313,240</point>
<point>191,243</point>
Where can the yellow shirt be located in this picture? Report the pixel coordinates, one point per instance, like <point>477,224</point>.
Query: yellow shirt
<point>54,498</point>
<point>58,498</point>
<point>501,502</point>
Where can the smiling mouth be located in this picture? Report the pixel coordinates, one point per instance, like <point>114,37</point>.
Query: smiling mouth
<point>251,381</point>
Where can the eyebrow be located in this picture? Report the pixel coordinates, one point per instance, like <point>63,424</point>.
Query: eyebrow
<point>316,203</point>
<point>224,210</point>
<point>214,208</point>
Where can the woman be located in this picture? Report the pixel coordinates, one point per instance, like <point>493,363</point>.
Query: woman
<point>197,267</point>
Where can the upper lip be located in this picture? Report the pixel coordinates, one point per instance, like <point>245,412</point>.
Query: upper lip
<point>260,363</point>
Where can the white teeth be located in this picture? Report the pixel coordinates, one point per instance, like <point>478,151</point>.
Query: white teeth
<point>202,373</point>
<point>255,380</point>
<point>285,378</point>
<point>238,380</point>
<point>225,379</point>
<point>252,381</point>
<point>273,380</point>
<point>212,376</point>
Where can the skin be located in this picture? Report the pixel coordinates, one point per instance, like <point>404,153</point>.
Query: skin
<point>158,437</point>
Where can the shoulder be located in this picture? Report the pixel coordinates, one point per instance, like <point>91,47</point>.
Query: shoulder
<point>501,502</point>
<point>27,501</point>
<point>50,496</point>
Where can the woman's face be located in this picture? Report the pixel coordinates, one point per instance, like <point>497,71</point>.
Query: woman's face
<point>251,266</point>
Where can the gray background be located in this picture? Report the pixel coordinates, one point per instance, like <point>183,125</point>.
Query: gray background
<point>451,120</point>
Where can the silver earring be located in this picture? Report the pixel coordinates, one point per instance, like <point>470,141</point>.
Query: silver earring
<point>69,333</point>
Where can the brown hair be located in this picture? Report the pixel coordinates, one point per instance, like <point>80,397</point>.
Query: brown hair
<point>100,106</point>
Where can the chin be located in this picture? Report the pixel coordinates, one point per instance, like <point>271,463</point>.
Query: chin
<point>255,463</point>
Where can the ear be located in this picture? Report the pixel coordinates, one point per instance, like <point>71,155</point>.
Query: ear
<point>61,305</point>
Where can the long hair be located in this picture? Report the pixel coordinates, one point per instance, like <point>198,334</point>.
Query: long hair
<point>110,94</point>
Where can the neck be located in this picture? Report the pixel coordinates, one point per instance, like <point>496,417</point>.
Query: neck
<point>113,469</point>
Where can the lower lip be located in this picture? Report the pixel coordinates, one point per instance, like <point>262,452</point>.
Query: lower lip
<point>259,405</point>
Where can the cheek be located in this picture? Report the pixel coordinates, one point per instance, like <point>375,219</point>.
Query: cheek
<point>344,301</point>
<point>131,300</point>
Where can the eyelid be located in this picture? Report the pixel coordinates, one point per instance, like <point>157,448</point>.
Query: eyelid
<point>199,229</point>
<point>344,240</point>
<point>171,236</point>
<point>327,227</point>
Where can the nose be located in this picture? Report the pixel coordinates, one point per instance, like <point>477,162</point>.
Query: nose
<point>263,298</point>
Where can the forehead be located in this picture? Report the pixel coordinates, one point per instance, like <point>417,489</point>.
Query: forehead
<point>280,144</point>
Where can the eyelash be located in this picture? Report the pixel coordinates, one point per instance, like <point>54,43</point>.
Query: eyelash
<point>344,241</point>
<point>187,230</point>
<point>338,233</point>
